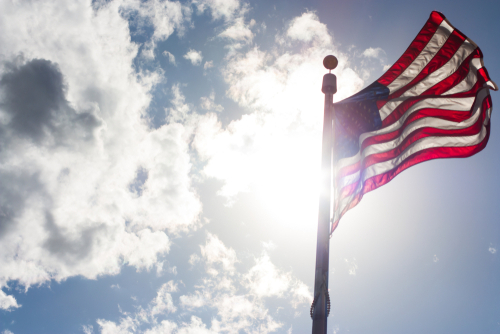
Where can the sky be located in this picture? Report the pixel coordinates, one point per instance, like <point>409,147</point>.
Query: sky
<point>159,167</point>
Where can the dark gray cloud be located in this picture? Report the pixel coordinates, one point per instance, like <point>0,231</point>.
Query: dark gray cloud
<point>33,96</point>
<point>15,190</point>
<point>33,106</point>
<point>67,248</point>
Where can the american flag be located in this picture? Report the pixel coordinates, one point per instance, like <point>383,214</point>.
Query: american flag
<point>434,102</point>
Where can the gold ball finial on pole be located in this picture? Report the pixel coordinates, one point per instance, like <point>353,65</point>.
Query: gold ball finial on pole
<point>330,62</point>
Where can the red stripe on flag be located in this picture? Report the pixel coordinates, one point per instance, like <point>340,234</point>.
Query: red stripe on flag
<point>421,156</point>
<point>444,54</point>
<point>415,136</point>
<point>439,88</point>
<point>449,115</point>
<point>455,78</point>
<point>483,74</point>
<point>420,134</point>
<point>414,49</point>
<point>424,155</point>
<point>348,170</point>
<point>429,132</point>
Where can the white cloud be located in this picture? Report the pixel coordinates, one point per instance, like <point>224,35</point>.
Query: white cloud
<point>198,299</point>
<point>307,28</point>
<point>89,186</point>
<point>353,266</point>
<point>180,109</point>
<point>165,327</point>
<point>301,294</point>
<point>115,286</point>
<point>435,259</point>
<point>126,326</point>
<point>171,57</point>
<point>163,303</point>
<point>193,259</point>
<point>374,53</point>
<point>218,8</point>
<point>238,31</point>
<point>88,329</point>
<point>163,267</point>
<point>492,250</point>
<point>194,57</point>
<point>214,252</point>
<point>208,103</point>
<point>269,245</point>
<point>7,302</point>
<point>208,64</point>
<point>165,17</point>
<point>236,300</point>
<point>9,332</point>
<point>264,279</point>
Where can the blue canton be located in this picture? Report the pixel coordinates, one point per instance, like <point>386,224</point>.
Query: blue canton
<point>356,115</point>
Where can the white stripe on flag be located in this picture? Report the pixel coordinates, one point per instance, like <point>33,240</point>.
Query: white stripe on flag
<point>431,49</point>
<point>431,122</point>
<point>456,104</point>
<point>422,144</point>
<point>470,80</point>
<point>347,180</point>
<point>443,103</point>
<point>432,79</point>
<point>423,122</point>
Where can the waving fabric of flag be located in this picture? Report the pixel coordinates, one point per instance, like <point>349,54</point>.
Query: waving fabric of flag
<point>434,102</point>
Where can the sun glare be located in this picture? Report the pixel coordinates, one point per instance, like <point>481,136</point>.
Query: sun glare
<point>289,186</point>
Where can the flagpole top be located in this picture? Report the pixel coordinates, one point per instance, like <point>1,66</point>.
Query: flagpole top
<point>330,62</point>
<point>329,79</point>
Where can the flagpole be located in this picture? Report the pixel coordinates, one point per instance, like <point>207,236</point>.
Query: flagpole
<point>321,304</point>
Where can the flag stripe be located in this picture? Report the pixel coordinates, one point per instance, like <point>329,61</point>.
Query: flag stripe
<point>429,81</point>
<point>379,174</point>
<point>454,43</point>
<point>472,126</point>
<point>428,127</point>
<point>470,80</point>
<point>425,56</point>
<point>433,122</point>
<point>418,44</point>
<point>401,111</point>
<point>418,157</point>
<point>450,105</point>
<point>445,108</point>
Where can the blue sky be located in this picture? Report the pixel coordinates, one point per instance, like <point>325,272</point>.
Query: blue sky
<point>159,173</point>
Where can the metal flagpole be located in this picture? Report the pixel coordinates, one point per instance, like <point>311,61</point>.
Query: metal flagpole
<point>321,304</point>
